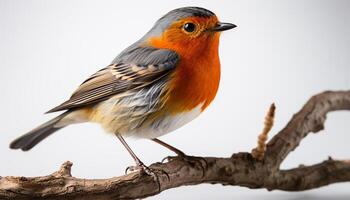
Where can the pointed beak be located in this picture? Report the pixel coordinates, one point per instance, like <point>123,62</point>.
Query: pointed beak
<point>223,27</point>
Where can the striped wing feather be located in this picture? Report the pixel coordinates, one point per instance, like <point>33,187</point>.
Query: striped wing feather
<point>115,79</point>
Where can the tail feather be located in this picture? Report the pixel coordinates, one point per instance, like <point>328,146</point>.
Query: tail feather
<point>32,138</point>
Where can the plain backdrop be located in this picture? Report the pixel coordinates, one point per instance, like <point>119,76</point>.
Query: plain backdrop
<point>282,51</point>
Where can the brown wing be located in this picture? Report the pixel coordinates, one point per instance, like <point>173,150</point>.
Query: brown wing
<point>115,79</point>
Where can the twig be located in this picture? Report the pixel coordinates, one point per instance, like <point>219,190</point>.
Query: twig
<point>259,152</point>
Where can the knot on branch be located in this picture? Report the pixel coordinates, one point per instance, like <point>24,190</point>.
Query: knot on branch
<point>65,170</point>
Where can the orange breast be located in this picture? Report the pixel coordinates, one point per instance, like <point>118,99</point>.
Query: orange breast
<point>197,75</point>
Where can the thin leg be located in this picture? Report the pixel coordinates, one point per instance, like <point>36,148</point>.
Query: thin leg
<point>171,148</point>
<point>182,155</point>
<point>139,163</point>
<point>137,160</point>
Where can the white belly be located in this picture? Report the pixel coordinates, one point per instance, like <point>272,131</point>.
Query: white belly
<point>165,125</point>
<point>127,115</point>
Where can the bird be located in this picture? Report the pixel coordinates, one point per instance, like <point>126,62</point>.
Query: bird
<point>156,85</point>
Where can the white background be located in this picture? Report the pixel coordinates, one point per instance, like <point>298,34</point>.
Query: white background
<point>281,51</point>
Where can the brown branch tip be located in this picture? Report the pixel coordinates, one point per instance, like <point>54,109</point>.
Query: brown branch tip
<point>259,152</point>
<point>65,170</point>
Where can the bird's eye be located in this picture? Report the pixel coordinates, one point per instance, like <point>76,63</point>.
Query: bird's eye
<point>189,27</point>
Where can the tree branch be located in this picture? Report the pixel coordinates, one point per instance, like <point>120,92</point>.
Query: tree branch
<point>310,118</point>
<point>241,169</point>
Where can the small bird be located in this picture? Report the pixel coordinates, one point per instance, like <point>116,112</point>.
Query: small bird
<point>156,85</point>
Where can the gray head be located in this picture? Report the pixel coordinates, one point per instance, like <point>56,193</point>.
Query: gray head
<point>187,26</point>
<point>181,14</point>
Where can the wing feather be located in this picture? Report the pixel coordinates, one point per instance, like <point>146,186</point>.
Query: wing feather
<point>118,78</point>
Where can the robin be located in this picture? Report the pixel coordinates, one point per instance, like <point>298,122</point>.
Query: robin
<point>156,85</point>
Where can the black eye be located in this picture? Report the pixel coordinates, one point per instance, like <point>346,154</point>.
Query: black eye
<point>189,27</point>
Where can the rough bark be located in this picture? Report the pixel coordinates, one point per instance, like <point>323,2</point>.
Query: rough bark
<point>241,169</point>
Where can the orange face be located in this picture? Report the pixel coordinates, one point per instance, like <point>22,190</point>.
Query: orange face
<point>187,36</point>
<point>197,75</point>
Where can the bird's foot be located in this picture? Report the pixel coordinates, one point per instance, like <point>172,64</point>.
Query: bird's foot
<point>142,168</point>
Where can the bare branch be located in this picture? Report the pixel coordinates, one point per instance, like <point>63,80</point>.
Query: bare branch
<point>310,118</point>
<point>305,178</point>
<point>242,169</point>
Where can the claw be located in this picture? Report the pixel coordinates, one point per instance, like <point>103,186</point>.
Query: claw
<point>168,159</point>
<point>148,171</point>
<point>142,168</point>
<point>129,168</point>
